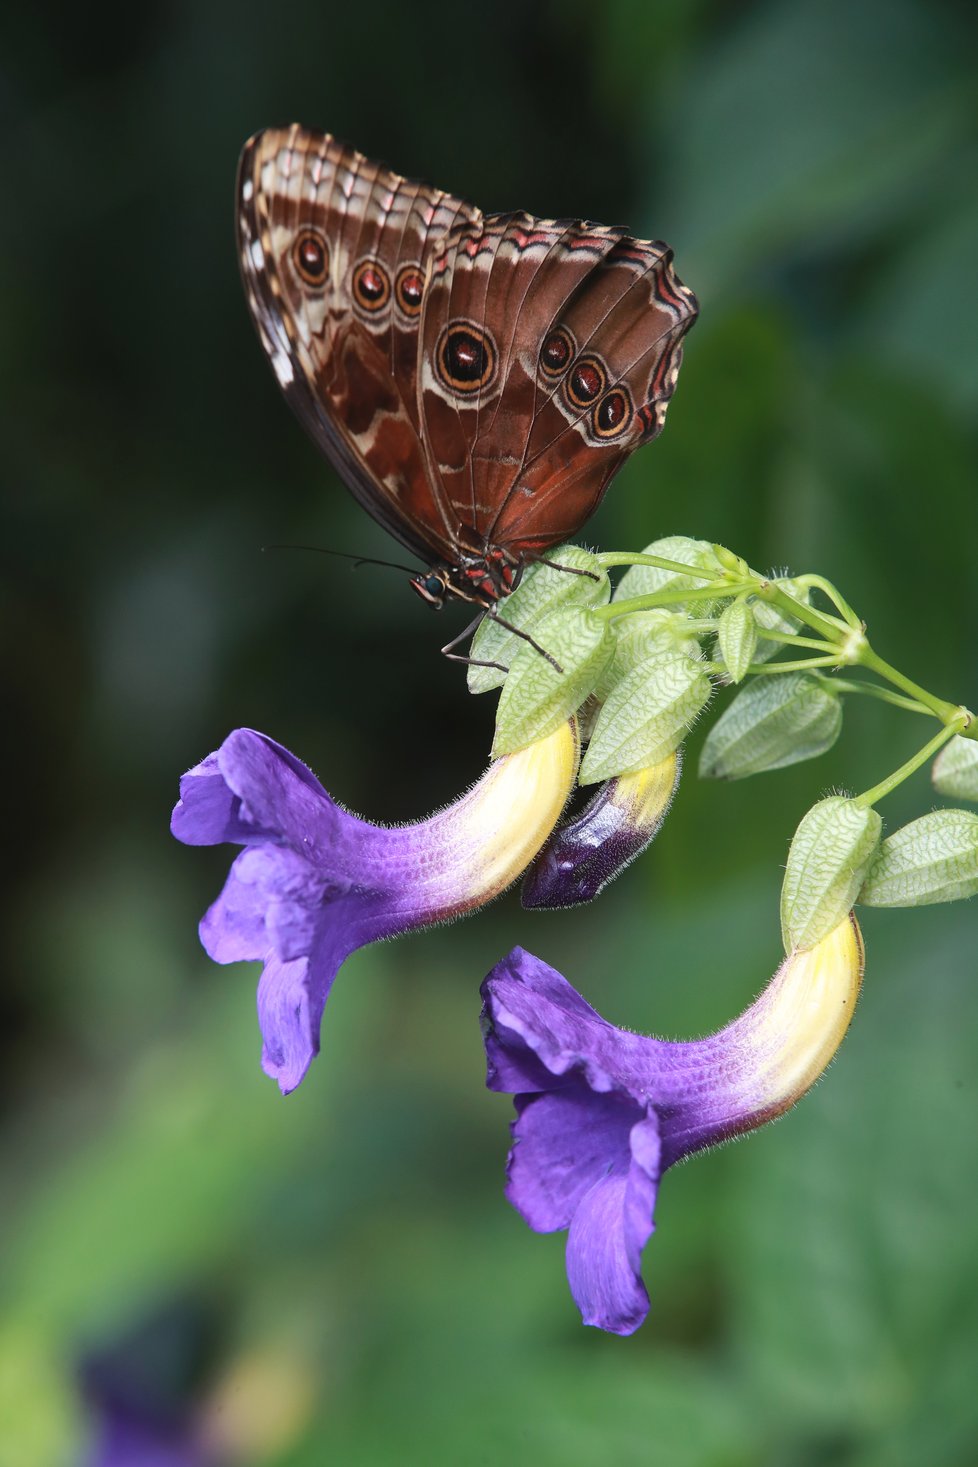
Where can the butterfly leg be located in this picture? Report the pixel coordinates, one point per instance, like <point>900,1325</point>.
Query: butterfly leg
<point>570,570</point>
<point>519,632</point>
<point>446,651</point>
<point>472,661</point>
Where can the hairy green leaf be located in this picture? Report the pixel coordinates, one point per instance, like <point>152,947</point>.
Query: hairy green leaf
<point>737,638</point>
<point>955,770</point>
<point>827,864</point>
<point>536,698</point>
<point>774,721</point>
<point>646,716</point>
<point>933,859</point>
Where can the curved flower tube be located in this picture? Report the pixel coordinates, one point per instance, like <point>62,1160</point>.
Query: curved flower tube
<point>602,1112</point>
<point>314,883</point>
<point>585,854</point>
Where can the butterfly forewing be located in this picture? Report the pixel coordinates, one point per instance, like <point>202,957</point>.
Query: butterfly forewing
<point>334,252</point>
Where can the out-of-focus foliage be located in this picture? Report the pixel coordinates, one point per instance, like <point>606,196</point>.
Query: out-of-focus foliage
<point>815,1289</point>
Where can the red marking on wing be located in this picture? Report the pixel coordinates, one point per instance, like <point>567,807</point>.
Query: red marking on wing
<point>588,242</point>
<point>666,294</point>
<point>523,238</point>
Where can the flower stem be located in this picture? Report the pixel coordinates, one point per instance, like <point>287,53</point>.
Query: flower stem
<point>829,626</point>
<point>834,595</point>
<point>847,685</point>
<point>872,796</point>
<point>790,640</point>
<point>856,650</point>
<point>800,664</point>
<point>609,558</point>
<point>669,598</point>
<point>946,712</point>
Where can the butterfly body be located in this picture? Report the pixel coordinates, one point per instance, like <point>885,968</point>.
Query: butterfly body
<point>476,380</point>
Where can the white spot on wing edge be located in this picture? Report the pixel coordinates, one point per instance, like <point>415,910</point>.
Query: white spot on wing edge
<point>257,254</point>
<point>247,189</point>
<point>282,368</point>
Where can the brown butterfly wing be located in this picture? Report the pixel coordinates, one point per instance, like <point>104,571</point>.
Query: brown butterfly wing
<point>549,350</point>
<point>334,253</point>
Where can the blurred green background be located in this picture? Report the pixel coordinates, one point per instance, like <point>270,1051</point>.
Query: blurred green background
<point>337,1277</point>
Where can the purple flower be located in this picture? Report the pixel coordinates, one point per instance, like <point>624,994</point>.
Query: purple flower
<point>123,1440</point>
<point>314,883</point>
<point>617,823</point>
<point>144,1389</point>
<point>602,1112</point>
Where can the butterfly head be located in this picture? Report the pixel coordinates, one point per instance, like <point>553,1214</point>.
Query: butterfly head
<point>477,583</point>
<point>432,587</point>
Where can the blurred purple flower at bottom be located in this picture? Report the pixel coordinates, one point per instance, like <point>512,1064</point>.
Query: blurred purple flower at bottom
<point>602,1112</point>
<point>127,1443</point>
<point>143,1390</point>
<point>314,883</point>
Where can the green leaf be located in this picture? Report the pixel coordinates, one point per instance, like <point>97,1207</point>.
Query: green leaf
<point>645,580</point>
<point>737,638</point>
<point>933,859</point>
<point>541,590</point>
<point>645,716</point>
<point>645,634</point>
<point>773,722</point>
<point>536,698</point>
<point>827,864</point>
<point>955,770</point>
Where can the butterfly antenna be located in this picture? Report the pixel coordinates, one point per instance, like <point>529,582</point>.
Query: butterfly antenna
<point>358,560</point>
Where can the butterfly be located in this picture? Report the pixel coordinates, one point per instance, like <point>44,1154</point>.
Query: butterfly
<point>477,380</point>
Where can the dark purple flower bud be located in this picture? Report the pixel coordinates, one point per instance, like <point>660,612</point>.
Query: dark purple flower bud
<point>585,854</point>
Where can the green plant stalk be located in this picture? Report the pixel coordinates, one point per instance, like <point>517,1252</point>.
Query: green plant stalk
<point>835,631</point>
<point>829,626</point>
<point>790,640</point>
<point>946,712</point>
<point>833,594</point>
<point>872,796</point>
<point>847,685</point>
<point>799,664</point>
<point>716,589</point>
<point>864,656</point>
<point>609,558</point>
